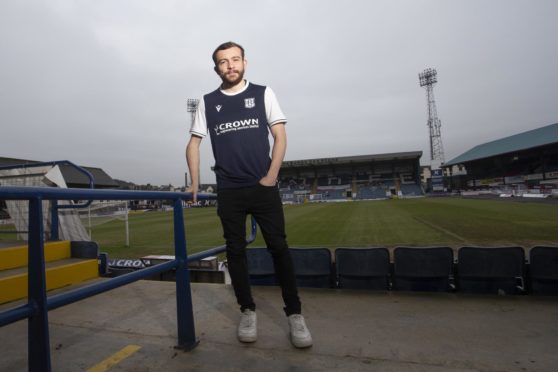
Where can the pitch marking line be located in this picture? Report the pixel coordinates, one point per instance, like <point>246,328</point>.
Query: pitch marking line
<point>114,359</point>
<point>441,229</point>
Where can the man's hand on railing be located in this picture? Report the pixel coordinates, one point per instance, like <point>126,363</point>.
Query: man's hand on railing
<point>194,190</point>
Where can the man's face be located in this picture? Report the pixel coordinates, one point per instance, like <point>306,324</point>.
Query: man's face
<point>230,65</point>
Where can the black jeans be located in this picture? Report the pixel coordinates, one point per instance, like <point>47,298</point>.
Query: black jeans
<point>264,203</point>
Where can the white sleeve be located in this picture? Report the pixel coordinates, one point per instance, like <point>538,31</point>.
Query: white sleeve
<point>199,126</point>
<point>272,108</point>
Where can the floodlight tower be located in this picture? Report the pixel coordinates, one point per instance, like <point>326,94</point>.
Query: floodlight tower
<point>192,107</point>
<point>427,79</point>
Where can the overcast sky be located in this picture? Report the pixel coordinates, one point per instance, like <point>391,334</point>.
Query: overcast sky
<point>105,83</point>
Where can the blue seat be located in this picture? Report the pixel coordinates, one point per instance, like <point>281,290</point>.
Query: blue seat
<point>428,269</point>
<point>260,266</point>
<point>312,267</point>
<point>362,268</point>
<point>544,270</point>
<point>496,270</point>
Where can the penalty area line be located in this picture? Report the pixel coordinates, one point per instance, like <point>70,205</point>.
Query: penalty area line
<point>115,358</point>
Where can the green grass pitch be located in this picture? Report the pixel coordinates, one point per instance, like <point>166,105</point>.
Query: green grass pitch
<point>451,222</point>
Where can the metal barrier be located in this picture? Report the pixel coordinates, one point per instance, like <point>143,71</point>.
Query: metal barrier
<point>36,310</point>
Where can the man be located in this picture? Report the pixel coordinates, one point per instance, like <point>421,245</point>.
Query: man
<point>239,116</point>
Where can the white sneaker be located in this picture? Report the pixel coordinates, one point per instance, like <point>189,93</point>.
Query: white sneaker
<point>247,328</point>
<point>300,335</point>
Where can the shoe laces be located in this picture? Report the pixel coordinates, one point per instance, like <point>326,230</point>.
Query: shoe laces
<point>298,323</point>
<point>247,320</point>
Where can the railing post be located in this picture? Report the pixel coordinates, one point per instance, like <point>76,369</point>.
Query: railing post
<point>38,337</point>
<point>184,309</point>
<point>54,221</point>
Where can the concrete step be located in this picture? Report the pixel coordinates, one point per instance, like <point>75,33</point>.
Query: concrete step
<point>17,256</point>
<point>60,273</point>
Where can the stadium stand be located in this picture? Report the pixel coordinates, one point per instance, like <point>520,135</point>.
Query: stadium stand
<point>350,177</point>
<point>294,190</point>
<point>543,265</point>
<point>312,267</point>
<point>345,179</point>
<point>334,194</point>
<point>526,161</point>
<point>487,270</point>
<point>323,181</point>
<point>411,190</point>
<point>260,266</point>
<point>494,270</point>
<point>287,197</point>
<point>290,183</point>
<point>423,269</point>
<point>362,268</point>
<point>362,176</point>
<point>388,183</point>
<point>371,192</point>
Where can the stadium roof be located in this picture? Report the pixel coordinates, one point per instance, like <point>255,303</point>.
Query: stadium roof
<point>352,159</point>
<point>72,176</point>
<point>544,136</point>
<point>75,178</point>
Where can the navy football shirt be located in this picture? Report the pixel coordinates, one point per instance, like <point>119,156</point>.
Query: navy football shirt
<point>238,125</point>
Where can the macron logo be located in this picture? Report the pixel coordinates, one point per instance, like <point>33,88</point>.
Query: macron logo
<point>218,108</point>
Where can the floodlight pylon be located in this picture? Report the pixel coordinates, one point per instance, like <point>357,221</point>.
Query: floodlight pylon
<point>427,79</point>
<point>192,107</point>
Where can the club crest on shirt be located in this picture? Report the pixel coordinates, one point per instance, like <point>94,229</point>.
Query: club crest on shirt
<point>249,102</point>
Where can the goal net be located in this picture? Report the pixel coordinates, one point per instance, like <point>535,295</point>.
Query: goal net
<point>102,212</point>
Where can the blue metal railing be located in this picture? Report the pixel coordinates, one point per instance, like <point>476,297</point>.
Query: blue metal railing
<point>36,309</point>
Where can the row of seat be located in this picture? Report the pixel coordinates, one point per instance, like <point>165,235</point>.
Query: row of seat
<point>496,270</point>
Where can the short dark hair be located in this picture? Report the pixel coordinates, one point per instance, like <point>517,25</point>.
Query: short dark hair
<point>225,46</point>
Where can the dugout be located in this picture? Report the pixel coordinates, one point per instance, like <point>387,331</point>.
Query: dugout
<point>527,160</point>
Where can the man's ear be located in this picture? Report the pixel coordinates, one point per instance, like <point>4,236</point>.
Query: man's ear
<point>216,69</point>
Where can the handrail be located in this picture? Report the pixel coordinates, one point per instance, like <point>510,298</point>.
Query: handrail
<point>36,309</point>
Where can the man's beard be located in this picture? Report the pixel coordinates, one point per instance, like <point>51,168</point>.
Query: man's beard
<point>238,79</point>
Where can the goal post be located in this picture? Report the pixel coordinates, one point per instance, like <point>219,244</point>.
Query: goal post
<point>102,212</point>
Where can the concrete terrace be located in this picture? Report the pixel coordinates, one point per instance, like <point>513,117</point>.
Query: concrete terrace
<point>352,330</point>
